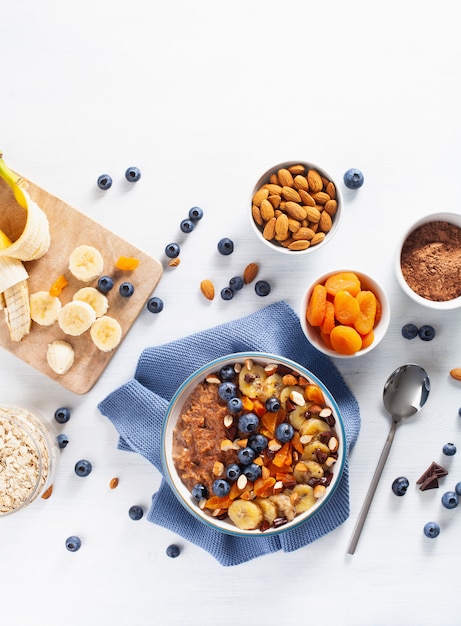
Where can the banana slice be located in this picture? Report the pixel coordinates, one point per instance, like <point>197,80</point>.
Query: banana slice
<point>310,449</point>
<point>306,498</point>
<point>268,508</point>
<point>86,263</point>
<point>271,387</point>
<point>245,514</point>
<point>297,417</point>
<point>76,317</point>
<point>44,309</point>
<point>60,356</point>
<point>285,506</point>
<point>313,426</point>
<point>106,333</point>
<point>95,298</point>
<point>251,380</point>
<point>294,393</point>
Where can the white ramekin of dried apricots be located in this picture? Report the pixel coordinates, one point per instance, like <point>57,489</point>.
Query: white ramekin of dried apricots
<point>344,313</point>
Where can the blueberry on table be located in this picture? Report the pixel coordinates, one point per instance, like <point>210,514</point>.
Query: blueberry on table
<point>458,488</point>
<point>227,390</point>
<point>63,440</point>
<point>199,491</point>
<point>172,250</point>
<point>62,415</point>
<point>409,331</point>
<point>186,226</point>
<point>353,178</point>
<point>449,449</point>
<point>400,486</point>
<point>83,468</point>
<point>155,304</point>
<point>262,288</point>
<point>132,174</point>
<point>284,432</point>
<point>426,332</point>
<point>135,512</point>
<point>227,293</point>
<point>221,487</point>
<point>173,551</point>
<point>126,290</point>
<point>73,543</point>
<point>248,423</point>
<point>225,246</point>
<point>195,213</point>
<point>450,499</point>
<point>104,182</point>
<point>105,284</point>
<point>236,283</point>
<point>431,530</point>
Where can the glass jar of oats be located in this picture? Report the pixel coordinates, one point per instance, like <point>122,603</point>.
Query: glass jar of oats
<point>28,457</point>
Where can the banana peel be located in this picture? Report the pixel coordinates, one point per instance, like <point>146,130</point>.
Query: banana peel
<point>33,243</point>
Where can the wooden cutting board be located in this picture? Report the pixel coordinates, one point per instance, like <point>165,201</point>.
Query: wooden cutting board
<point>70,228</point>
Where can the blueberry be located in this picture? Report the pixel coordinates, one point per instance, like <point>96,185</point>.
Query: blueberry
<point>155,304</point>
<point>252,472</point>
<point>246,455</point>
<point>187,226</point>
<point>172,250</point>
<point>236,283</point>
<point>105,284</point>
<point>400,486</point>
<point>225,246</point>
<point>458,488</point>
<point>248,423</point>
<point>426,332</point>
<point>62,440</point>
<point>199,491</point>
<point>284,432</point>
<point>195,213</point>
<point>132,174</point>
<point>73,543</point>
<point>173,551</point>
<point>227,372</point>
<point>104,182</point>
<point>431,530</point>
<point>227,390</point>
<point>235,405</point>
<point>62,415</point>
<point>233,471</point>
<point>135,512</point>
<point>83,468</point>
<point>258,442</point>
<point>450,499</point>
<point>262,288</point>
<point>449,449</point>
<point>409,331</point>
<point>353,178</point>
<point>227,293</point>
<point>272,404</point>
<point>221,487</point>
<point>126,290</point>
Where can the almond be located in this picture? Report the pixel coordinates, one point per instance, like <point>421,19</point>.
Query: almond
<point>272,188</point>
<point>275,200</point>
<point>300,244</point>
<point>331,190</point>
<point>267,210</point>
<point>313,214</point>
<point>306,198</point>
<point>207,288</point>
<point>281,227</point>
<point>303,233</point>
<point>250,273</point>
<point>456,373</point>
<point>256,212</point>
<point>296,211</point>
<point>260,195</point>
<point>297,169</point>
<point>113,483</point>
<point>285,177</point>
<point>315,181</point>
<point>321,197</point>
<point>300,182</point>
<point>331,206</point>
<point>269,229</point>
<point>317,238</point>
<point>325,222</point>
<point>290,194</point>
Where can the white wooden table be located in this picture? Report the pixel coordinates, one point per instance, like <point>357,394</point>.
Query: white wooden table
<point>203,97</point>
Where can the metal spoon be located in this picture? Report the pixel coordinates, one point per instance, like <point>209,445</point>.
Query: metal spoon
<point>405,393</point>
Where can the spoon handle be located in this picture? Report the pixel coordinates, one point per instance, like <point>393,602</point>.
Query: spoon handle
<point>371,490</point>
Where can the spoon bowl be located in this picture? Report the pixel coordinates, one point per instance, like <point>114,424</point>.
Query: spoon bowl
<point>405,393</point>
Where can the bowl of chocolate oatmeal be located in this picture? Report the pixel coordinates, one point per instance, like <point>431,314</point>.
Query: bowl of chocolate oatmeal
<point>295,207</point>
<point>428,261</point>
<point>253,443</point>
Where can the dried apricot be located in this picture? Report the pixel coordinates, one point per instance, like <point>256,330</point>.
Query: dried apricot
<point>329,321</point>
<point>127,263</point>
<point>346,308</point>
<point>343,281</point>
<point>345,340</point>
<point>368,339</point>
<point>316,306</point>
<point>58,285</point>
<point>365,320</point>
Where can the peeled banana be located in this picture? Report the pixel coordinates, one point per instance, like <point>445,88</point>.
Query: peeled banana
<point>60,356</point>
<point>33,243</point>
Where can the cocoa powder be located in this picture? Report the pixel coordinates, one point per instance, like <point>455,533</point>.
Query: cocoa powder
<point>431,261</point>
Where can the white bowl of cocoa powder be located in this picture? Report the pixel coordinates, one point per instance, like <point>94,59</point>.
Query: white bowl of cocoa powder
<point>428,261</point>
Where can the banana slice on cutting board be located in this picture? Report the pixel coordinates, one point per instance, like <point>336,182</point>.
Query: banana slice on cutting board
<point>86,263</point>
<point>106,333</point>
<point>76,317</point>
<point>94,298</point>
<point>44,308</point>
<point>60,356</point>
<point>245,514</point>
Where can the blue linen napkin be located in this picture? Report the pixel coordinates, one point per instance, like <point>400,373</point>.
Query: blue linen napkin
<point>137,410</point>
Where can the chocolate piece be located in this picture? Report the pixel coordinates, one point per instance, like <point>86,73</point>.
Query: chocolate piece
<point>434,469</point>
<point>431,482</point>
